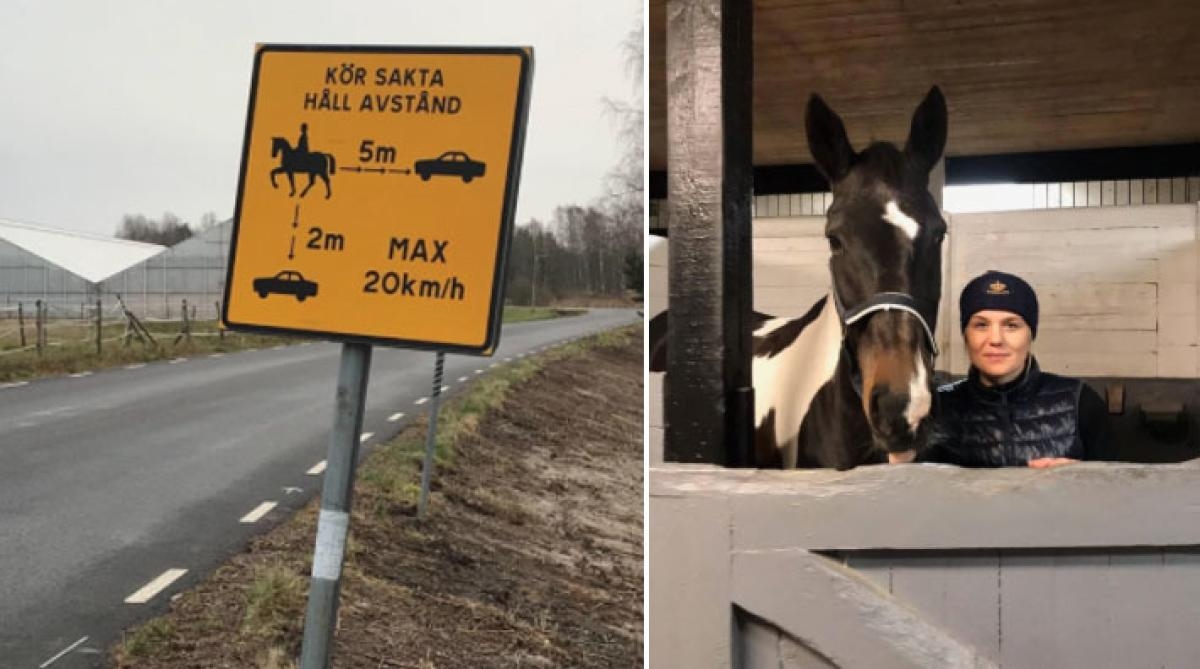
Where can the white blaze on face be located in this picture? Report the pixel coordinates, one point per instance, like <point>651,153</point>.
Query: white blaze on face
<point>893,215</point>
<point>919,398</point>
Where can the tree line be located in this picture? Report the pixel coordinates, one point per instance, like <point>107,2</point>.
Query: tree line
<point>581,252</point>
<point>166,231</point>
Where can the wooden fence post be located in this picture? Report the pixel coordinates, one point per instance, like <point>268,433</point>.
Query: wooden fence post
<point>185,331</point>
<point>40,327</point>
<point>99,327</point>
<point>220,330</point>
<point>21,321</point>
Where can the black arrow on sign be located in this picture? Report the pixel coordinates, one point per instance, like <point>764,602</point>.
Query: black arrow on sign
<point>292,250</point>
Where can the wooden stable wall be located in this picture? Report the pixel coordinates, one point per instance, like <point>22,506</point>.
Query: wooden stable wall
<point>1118,286</point>
<point>1092,566</point>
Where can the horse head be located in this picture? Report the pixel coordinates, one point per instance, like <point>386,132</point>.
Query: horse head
<point>279,144</point>
<point>885,233</point>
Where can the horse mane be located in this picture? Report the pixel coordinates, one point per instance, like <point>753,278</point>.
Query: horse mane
<point>774,342</point>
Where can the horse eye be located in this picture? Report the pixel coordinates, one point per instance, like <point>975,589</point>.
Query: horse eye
<point>835,244</point>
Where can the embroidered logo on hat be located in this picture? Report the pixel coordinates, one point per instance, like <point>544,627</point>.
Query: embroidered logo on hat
<point>997,288</point>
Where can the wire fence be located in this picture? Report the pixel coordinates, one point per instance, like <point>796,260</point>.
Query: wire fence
<point>39,326</point>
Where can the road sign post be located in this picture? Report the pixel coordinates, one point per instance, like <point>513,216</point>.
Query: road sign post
<point>375,206</point>
<point>431,436</point>
<point>333,523</point>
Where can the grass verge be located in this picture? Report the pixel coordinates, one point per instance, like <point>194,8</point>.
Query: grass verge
<point>518,314</point>
<point>390,477</point>
<point>67,353</point>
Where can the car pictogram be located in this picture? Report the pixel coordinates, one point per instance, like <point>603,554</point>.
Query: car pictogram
<point>450,163</point>
<point>287,282</point>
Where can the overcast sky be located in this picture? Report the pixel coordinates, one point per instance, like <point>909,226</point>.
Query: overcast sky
<point>111,108</point>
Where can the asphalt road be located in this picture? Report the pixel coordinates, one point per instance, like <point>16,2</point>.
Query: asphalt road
<point>108,481</point>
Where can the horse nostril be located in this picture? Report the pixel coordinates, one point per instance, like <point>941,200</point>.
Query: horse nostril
<point>877,394</point>
<point>888,407</point>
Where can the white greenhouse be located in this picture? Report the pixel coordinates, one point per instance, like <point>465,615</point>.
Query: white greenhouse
<point>69,270</point>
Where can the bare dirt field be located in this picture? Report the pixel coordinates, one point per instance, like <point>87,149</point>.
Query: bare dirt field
<point>531,556</point>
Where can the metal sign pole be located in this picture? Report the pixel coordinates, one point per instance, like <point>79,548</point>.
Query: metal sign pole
<point>336,493</point>
<point>431,438</point>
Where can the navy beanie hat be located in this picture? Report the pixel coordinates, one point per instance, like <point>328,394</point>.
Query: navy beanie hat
<point>1000,291</point>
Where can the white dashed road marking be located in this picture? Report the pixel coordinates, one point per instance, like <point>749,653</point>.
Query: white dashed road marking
<point>176,361</point>
<point>16,384</point>
<point>445,388</point>
<point>156,586</point>
<point>395,417</point>
<point>136,365</point>
<point>258,512</point>
<point>479,371</point>
<point>61,653</point>
<point>217,355</point>
<point>279,348</point>
<point>316,469</point>
<point>79,375</point>
<point>463,379</point>
<point>508,360</point>
<point>365,436</point>
<point>493,365</point>
<point>422,400</point>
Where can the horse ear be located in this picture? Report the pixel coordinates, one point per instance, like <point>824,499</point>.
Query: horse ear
<point>927,137</point>
<point>827,140</point>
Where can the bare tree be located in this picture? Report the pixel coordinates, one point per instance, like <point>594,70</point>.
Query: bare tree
<point>168,231</point>
<point>208,220</point>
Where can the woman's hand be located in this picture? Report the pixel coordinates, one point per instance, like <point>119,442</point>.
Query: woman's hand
<point>1047,463</point>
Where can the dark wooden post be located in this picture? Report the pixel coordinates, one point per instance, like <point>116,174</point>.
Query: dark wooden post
<point>39,328</point>
<point>21,321</point>
<point>710,73</point>
<point>185,331</point>
<point>99,327</point>
<point>220,326</point>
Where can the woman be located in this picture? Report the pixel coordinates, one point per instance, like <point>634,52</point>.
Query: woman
<point>1008,412</point>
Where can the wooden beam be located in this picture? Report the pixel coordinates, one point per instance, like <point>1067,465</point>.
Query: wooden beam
<point>929,507</point>
<point>709,400</point>
<point>842,615</point>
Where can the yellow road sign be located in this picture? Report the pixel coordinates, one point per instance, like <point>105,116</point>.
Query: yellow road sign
<point>376,194</point>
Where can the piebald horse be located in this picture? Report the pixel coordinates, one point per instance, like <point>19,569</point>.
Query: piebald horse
<point>851,381</point>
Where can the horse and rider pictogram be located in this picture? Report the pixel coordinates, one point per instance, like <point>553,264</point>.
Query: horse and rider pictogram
<point>300,159</point>
<point>317,164</point>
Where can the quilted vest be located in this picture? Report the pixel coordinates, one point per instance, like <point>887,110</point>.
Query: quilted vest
<point>1036,416</point>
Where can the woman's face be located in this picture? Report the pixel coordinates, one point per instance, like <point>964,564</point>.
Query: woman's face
<point>998,343</point>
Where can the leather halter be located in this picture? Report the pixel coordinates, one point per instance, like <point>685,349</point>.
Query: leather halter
<point>886,301</point>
